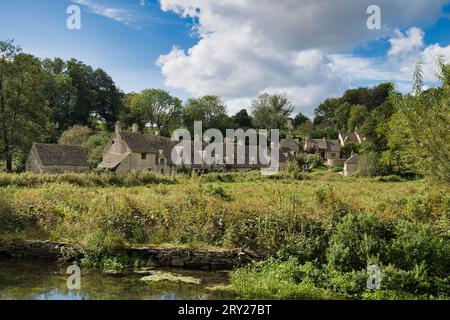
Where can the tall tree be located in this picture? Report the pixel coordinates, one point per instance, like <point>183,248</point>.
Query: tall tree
<point>24,114</point>
<point>419,137</point>
<point>271,111</point>
<point>242,119</point>
<point>154,108</point>
<point>210,110</point>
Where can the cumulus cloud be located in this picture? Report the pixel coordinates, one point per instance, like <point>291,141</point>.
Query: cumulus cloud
<point>252,46</point>
<point>398,66</point>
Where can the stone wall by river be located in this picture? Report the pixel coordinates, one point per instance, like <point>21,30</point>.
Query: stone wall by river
<point>220,259</point>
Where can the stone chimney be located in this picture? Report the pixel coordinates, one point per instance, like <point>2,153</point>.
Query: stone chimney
<point>157,132</point>
<point>135,127</point>
<point>118,127</point>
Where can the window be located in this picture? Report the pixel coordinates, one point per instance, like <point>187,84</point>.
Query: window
<point>333,156</point>
<point>162,161</point>
<point>143,156</point>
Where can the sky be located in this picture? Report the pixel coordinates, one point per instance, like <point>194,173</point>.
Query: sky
<point>308,49</point>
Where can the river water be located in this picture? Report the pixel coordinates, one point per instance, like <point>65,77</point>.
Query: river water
<point>32,280</point>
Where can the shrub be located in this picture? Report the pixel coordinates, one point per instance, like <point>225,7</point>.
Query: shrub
<point>216,190</point>
<point>416,243</point>
<point>357,240</point>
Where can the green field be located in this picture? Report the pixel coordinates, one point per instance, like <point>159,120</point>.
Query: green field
<point>317,233</point>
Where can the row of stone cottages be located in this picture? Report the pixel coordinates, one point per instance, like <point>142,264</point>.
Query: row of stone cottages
<point>129,151</point>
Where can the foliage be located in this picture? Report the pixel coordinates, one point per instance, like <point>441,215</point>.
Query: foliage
<point>94,147</point>
<point>24,114</point>
<point>153,108</point>
<point>75,136</point>
<point>421,139</point>
<point>271,111</point>
<point>210,110</point>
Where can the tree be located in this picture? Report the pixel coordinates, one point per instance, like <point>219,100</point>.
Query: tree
<point>242,119</point>
<point>419,137</point>
<point>271,111</point>
<point>94,147</point>
<point>210,110</point>
<point>357,116</point>
<point>75,136</point>
<point>300,119</point>
<point>24,114</point>
<point>154,108</point>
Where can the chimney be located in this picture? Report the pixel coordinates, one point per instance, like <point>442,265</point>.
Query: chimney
<point>118,127</point>
<point>135,127</point>
<point>157,132</point>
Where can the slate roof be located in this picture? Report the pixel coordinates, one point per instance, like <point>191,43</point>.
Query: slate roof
<point>58,154</point>
<point>141,143</point>
<point>112,160</point>
<point>291,144</point>
<point>349,136</point>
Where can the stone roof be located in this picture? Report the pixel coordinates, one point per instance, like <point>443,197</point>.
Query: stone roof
<point>58,154</point>
<point>349,136</point>
<point>291,144</point>
<point>112,160</point>
<point>318,143</point>
<point>141,143</point>
<point>333,145</point>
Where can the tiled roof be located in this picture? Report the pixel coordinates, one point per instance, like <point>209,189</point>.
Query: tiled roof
<point>58,154</point>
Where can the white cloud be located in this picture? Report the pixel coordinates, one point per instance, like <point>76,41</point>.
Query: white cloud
<point>405,52</point>
<point>124,16</point>
<point>402,44</point>
<point>251,46</point>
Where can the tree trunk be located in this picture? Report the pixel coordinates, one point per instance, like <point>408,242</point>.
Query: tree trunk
<point>9,164</point>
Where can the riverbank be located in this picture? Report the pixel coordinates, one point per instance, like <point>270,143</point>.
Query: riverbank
<point>330,226</point>
<point>152,257</point>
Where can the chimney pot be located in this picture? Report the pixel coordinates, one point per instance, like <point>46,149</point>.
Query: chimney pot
<point>118,127</point>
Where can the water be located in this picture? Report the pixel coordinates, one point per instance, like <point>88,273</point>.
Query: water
<point>33,280</point>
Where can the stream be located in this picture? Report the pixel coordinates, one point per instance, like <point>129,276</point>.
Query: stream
<point>38,280</point>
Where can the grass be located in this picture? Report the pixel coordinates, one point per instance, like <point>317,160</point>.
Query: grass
<point>342,224</point>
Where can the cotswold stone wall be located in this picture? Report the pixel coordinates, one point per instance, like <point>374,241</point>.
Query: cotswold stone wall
<point>148,256</point>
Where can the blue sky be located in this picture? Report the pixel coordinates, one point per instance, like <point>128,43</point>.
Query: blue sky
<point>238,52</point>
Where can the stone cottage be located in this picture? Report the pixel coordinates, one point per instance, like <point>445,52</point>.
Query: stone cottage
<point>329,150</point>
<point>134,151</point>
<point>56,158</point>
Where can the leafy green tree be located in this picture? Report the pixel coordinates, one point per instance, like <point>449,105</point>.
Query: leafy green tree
<point>419,137</point>
<point>357,116</point>
<point>300,119</point>
<point>94,147</point>
<point>242,119</point>
<point>75,136</point>
<point>271,111</point>
<point>154,108</point>
<point>210,110</point>
<point>24,114</point>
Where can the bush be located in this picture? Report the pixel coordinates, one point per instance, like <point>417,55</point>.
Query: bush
<point>416,243</point>
<point>357,240</point>
<point>216,190</point>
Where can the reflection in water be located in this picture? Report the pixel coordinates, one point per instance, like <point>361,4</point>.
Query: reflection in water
<point>33,280</point>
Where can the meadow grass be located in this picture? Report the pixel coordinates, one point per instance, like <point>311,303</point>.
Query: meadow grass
<point>341,224</point>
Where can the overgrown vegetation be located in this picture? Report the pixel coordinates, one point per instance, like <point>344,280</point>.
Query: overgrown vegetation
<point>324,229</point>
